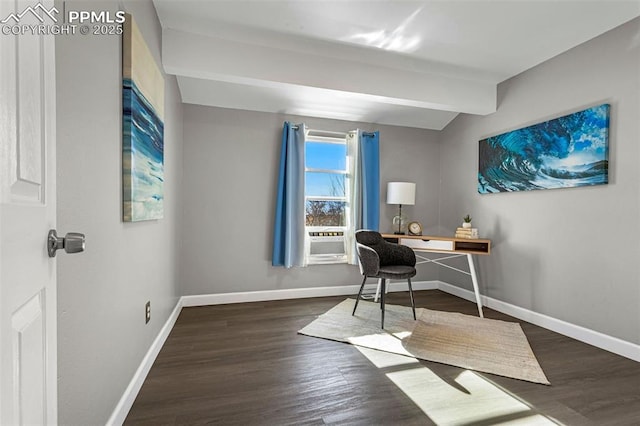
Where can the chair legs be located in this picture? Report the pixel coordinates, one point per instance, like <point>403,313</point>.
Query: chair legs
<point>364,280</point>
<point>383,291</point>
<point>413,305</point>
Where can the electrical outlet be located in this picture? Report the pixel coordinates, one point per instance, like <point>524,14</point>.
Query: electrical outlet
<point>147,312</point>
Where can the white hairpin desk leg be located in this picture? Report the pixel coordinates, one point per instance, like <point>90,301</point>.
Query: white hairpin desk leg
<point>375,299</point>
<point>474,279</point>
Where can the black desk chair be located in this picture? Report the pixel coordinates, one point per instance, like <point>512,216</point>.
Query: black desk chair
<point>384,260</point>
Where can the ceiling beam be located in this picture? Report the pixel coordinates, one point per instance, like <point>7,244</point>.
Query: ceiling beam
<point>214,58</point>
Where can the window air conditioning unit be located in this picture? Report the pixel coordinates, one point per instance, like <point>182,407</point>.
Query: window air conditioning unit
<point>326,246</point>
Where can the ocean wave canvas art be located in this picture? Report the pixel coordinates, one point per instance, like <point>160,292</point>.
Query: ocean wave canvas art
<point>143,129</point>
<point>565,152</point>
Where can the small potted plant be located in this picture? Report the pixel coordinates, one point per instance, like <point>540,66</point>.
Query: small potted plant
<point>466,221</point>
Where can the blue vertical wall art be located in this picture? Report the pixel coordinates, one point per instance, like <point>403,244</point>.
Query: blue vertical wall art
<point>142,129</point>
<point>565,152</point>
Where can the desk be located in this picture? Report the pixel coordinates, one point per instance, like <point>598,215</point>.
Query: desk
<point>455,247</point>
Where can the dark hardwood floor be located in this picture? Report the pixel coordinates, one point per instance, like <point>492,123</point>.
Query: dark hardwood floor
<point>244,364</point>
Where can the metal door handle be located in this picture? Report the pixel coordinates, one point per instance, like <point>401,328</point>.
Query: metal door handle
<point>73,242</point>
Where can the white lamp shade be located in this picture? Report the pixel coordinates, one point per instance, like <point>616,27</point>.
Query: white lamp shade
<point>401,193</point>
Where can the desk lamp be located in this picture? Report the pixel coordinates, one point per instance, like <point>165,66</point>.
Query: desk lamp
<point>401,193</point>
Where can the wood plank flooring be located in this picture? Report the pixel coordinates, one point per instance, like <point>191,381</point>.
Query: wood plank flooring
<point>245,364</point>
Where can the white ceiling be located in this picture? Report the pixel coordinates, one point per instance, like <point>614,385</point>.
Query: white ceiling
<point>408,63</point>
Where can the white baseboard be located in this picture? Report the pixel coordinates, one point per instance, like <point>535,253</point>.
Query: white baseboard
<point>295,293</point>
<point>591,337</point>
<point>126,401</point>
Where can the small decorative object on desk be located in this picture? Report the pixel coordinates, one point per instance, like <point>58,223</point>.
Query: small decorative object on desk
<point>466,221</point>
<point>414,228</point>
<point>469,233</point>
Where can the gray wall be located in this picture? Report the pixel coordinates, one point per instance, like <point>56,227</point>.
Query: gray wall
<point>571,254</point>
<point>231,171</point>
<point>102,336</point>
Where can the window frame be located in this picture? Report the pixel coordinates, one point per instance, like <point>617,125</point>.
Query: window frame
<point>315,136</point>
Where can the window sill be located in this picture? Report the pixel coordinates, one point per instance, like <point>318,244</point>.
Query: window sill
<point>327,260</point>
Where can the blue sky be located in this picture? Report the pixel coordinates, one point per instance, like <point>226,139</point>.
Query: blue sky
<point>324,156</point>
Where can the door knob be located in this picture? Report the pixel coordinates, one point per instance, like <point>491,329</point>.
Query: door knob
<point>73,242</point>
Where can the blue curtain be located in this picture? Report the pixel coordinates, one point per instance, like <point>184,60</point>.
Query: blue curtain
<point>364,152</point>
<point>288,237</point>
<point>369,166</point>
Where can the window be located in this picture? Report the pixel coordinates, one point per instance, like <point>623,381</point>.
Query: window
<point>342,194</point>
<point>326,196</point>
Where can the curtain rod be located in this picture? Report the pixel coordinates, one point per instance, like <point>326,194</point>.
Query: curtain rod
<point>296,127</point>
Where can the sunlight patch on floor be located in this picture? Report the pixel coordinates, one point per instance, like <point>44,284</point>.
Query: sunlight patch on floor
<point>392,342</point>
<point>382,359</point>
<point>470,400</point>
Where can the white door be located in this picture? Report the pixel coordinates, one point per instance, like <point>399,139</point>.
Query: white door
<point>27,212</point>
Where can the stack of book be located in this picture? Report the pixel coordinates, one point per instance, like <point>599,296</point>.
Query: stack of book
<point>470,233</point>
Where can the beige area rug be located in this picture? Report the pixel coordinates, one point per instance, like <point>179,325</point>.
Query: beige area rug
<point>480,344</point>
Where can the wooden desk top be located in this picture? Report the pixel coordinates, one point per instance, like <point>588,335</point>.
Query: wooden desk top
<point>439,244</point>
